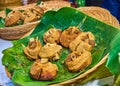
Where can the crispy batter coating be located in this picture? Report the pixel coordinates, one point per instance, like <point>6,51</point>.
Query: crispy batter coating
<point>46,71</point>
<point>38,11</point>
<point>52,36</point>
<point>32,14</point>
<point>85,40</point>
<point>29,16</point>
<point>77,61</point>
<point>12,18</point>
<point>49,51</point>
<point>33,49</point>
<point>69,35</point>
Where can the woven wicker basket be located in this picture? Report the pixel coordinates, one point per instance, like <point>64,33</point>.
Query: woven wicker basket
<point>9,3</point>
<point>102,15</point>
<point>55,4</point>
<point>16,32</point>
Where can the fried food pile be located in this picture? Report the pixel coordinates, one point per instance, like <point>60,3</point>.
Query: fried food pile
<point>46,71</point>
<point>50,51</point>
<point>33,48</point>
<point>16,17</point>
<point>42,68</point>
<point>80,44</point>
<point>77,61</point>
<point>84,41</point>
<point>69,35</point>
<point>52,36</point>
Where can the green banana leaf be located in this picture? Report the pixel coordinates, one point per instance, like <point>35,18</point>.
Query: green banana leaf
<point>19,66</point>
<point>38,2</point>
<point>2,22</point>
<point>7,11</point>
<point>113,62</point>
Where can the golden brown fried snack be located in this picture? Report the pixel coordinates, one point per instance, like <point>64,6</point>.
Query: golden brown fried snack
<point>77,61</point>
<point>52,36</point>
<point>69,35</point>
<point>12,18</point>
<point>29,16</point>
<point>49,51</point>
<point>46,71</point>
<point>85,40</point>
<point>33,49</point>
<point>38,11</point>
<point>32,14</point>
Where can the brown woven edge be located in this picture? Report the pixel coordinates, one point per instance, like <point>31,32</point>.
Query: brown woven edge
<point>100,14</point>
<point>55,4</point>
<point>17,32</point>
<point>8,73</point>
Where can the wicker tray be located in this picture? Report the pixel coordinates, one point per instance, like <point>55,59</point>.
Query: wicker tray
<point>102,15</point>
<point>9,3</point>
<point>55,4</point>
<point>17,32</point>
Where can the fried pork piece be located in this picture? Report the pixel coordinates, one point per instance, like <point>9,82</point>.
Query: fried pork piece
<point>12,18</point>
<point>52,36</point>
<point>29,16</point>
<point>85,40</point>
<point>46,71</point>
<point>32,14</point>
<point>33,49</point>
<point>38,11</point>
<point>69,35</point>
<point>77,61</point>
<point>49,51</point>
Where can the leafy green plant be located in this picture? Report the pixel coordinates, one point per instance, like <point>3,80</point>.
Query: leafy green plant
<point>18,65</point>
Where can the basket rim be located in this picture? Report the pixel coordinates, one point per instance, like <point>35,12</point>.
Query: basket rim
<point>20,25</point>
<point>90,11</point>
<point>18,31</point>
<point>4,35</point>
